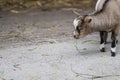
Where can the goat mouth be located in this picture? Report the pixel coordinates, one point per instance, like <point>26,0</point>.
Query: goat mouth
<point>76,37</point>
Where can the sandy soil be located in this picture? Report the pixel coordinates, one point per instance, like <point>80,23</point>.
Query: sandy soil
<point>38,45</point>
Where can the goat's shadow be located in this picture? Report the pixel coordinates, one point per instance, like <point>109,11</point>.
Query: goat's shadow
<point>96,50</point>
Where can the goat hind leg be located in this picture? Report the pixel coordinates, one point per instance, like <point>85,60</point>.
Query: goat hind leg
<point>114,44</point>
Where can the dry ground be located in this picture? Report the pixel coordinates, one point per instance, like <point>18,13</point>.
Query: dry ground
<point>38,45</point>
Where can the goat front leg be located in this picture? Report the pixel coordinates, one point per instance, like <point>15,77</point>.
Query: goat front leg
<point>103,40</point>
<point>114,43</point>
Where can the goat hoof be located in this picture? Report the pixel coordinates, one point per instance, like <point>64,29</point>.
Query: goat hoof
<point>113,54</point>
<point>102,50</point>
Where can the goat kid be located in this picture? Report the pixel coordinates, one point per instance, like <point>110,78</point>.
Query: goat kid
<point>85,25</point>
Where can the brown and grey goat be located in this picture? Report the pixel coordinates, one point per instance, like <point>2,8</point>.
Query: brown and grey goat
<point>106,19</point>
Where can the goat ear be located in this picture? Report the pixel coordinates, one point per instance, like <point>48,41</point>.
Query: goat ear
<point>75,12</point>
<point>80,17</point>
<point>87,20</point>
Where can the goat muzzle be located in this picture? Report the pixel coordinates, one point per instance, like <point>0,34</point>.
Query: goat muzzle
<point>76,35</point>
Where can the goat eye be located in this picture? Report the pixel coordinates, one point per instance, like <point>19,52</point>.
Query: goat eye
<point>79,28</point>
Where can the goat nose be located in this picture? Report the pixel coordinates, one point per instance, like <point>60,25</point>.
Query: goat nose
<point>76,37</point>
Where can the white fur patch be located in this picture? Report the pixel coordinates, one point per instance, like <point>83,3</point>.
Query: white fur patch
<point>102,46</point>
<point>113,49</point>
<point>97,4</point>
<point>75,23</point>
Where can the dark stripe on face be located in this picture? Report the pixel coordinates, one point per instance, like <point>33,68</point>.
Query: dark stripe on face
<point>80,26</point>
<point>78,30</point>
